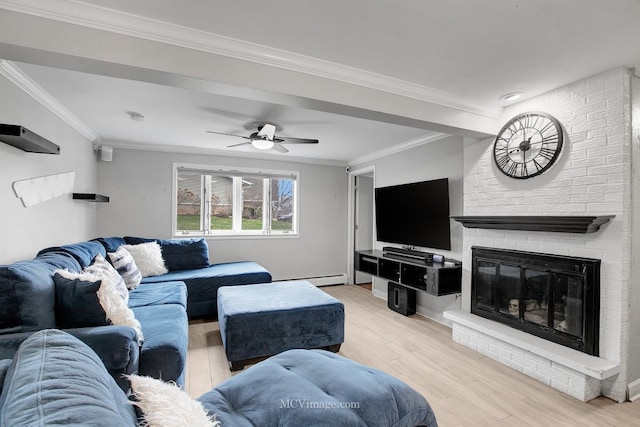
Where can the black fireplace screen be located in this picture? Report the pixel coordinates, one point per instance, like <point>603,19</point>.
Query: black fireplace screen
<point>551,296</point>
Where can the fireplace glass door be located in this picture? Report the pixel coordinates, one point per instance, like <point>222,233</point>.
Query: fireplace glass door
<point>554,297</point>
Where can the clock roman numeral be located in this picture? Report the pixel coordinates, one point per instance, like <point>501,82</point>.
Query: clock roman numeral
<point>503,160</point>
<point>535,123</point>
<point>546,127</point>
<point>537,165</point>
<point>547,153</point>
<point>550,139</point>
<point>504,143</point>
<point>522,124</point>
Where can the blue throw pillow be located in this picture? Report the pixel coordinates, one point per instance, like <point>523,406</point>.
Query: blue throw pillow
<point>55,379</point>
<point>89,299</point>
<point>185,254</point>
<point>179,254</point>
<point>27,296</point>
<point>77,303</point>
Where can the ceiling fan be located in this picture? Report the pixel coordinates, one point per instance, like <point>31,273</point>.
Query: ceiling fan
<point>265,139</point>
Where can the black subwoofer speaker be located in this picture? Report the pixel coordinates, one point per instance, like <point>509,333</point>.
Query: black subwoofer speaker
<point>401,299</point>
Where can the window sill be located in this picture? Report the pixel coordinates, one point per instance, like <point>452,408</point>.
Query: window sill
<point>238,236</point>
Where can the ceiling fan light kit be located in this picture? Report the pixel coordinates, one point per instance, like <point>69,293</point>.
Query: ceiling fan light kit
<point>265,139</point>
<point>262,144</point>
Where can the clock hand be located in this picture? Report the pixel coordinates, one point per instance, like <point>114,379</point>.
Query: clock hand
<point>536,142</point>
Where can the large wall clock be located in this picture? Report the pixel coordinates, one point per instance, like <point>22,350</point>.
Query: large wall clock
<point>528,145</point>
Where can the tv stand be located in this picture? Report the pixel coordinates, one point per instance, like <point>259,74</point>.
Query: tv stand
<point>412,270</point>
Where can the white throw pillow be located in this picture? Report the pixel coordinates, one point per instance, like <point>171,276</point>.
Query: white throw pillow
<point>124,263</point>
<point>100,266</point>
<point>166,405</point>
<point>116,310</point>
<point>148,258</point>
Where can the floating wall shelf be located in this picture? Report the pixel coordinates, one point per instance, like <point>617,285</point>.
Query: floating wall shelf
<point>90,197</point>
<point>561,224</point>
<point>22,138</point>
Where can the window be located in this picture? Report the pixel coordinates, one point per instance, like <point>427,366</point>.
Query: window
<point>219,201</point>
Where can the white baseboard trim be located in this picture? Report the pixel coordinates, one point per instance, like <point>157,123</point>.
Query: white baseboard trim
<point>379,294</point>
<point>433,315</point>
<point>339,279</point>
<point>633,390</point>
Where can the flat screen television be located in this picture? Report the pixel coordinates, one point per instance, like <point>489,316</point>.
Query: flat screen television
<point>415,214</point>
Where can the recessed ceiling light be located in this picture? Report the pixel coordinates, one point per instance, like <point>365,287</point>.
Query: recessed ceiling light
<point>135,116</point>
<point>511,96</point>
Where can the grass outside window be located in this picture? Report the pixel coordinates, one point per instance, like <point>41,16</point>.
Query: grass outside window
<point>192,222</point>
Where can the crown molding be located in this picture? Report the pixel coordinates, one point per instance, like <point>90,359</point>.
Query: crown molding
<point>398,148</point>
<point>16,76</point>
<point>132,145</point>
<point>102,18</point>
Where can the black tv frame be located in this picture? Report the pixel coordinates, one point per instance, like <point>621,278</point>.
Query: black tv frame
<point>414,214</point>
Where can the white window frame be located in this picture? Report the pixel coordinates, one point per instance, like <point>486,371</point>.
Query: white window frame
<point>237,232</point>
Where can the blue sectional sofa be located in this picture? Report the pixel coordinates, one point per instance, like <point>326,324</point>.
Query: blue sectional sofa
<point>188,261</point>
<point>161,304</point>
<point>55,379</point>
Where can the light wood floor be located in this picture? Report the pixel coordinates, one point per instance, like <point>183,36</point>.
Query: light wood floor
<point>463,387</point>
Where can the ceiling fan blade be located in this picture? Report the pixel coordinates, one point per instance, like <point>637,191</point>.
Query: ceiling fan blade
<point>267,130</point>
<point>288,140</point>
<point>227,134</point>
<point>237,145</point>
<point>280,148</point>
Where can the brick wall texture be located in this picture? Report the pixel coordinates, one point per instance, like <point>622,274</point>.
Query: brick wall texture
<point>591,177</point>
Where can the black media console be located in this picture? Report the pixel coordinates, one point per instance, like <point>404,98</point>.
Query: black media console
<point>412,269</point>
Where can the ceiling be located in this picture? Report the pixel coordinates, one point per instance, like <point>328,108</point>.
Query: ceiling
<point>463,50</point>
<point>179,118</point>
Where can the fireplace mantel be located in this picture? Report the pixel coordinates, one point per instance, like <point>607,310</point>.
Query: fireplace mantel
<point>561,224</point>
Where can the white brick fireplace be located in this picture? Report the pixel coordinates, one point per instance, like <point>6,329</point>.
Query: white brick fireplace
<point>591,177</point>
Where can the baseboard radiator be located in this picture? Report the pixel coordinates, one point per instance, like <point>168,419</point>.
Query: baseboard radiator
<point>339,279</point>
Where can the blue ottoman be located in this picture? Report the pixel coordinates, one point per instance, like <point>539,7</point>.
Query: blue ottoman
<point>266,319</point>
<point>316,388</point>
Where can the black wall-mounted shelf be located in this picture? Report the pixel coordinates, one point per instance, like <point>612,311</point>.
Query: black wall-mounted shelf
<point>22,138</point>
<point>561,224</point>
<point>90,197</point>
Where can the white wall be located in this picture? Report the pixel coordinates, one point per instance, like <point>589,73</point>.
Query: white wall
<point>591,177</point>
<point>439,159</point>
<point>25,231</point>
<point>139,184</point>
